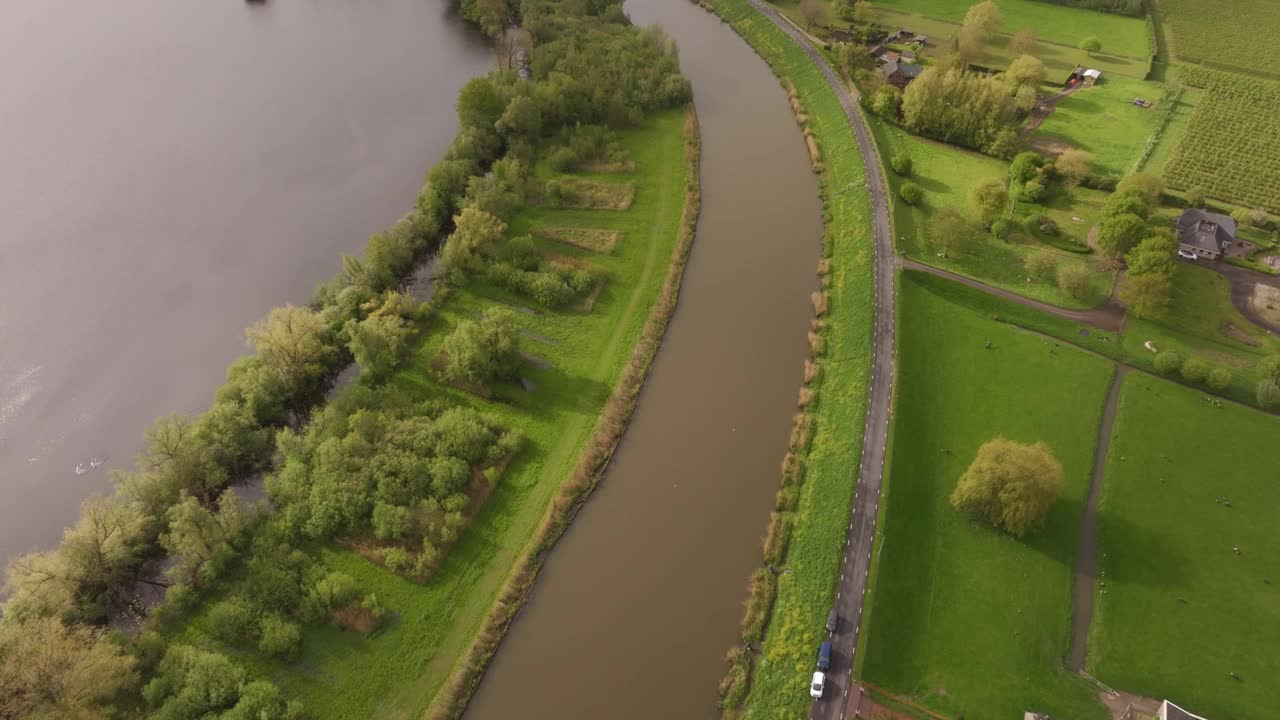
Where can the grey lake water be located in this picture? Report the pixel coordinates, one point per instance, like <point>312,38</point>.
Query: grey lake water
<point>169,171</point>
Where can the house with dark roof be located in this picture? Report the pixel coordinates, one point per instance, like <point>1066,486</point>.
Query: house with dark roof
<point>1205,234</point>
<point>1169,711</point>
<point>898,74</point>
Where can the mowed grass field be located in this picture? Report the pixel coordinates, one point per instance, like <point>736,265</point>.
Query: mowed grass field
<point>1120,35</point>
<point>965,619</point>
<point>1180,610</point>
<point>396,672</point>
<point>1103,120</point>
<point>946,174</point>
<point>1203,31</point>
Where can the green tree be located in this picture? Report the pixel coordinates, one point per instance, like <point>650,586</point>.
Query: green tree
<point>1025,98</point>
<point>479,104</point>
<point>843,9</point>
<point>863,12</point>
<point>279,638</point>
<point>1024,166</point>
<point>475,232</point>
<point>901,163</point>
<point>1034,191</point>
<point>983,17</point>
<point>1074,278</point>
<point>199,540</point>
<point>885,101</point>
<point>1195,197</point>
<point>1167,361</point>
<point>1091,44</point>
<point>1219,379</point>
<point>1195,370</point>
<point>231,622</point>
<point>521,119</point>
<point>1268,394</point>
<point>1041,264</point>
<point>1025,71</point>
<point>481,352</point>
<point>1148,295</point>
<point>380,341</point>
<point>1149,184</point>
<point>950,231</point>
<point>1131,202</point>
<point>910,193</point>
<point>51,670</point>
<point>295,344</point>
<point>1011,484</point>
<point>989,199</point>
<point>1074,165</point>
<point>961,108</point>
<point>1119,234</point>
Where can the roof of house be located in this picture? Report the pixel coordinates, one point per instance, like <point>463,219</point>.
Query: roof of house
<point>1173,712</point>
<point>1206,230</point>
<point>1093,73</point>
<point>875,51</point>
<point>907,55</point>
<point>890,55</point>
<point>907,70</point>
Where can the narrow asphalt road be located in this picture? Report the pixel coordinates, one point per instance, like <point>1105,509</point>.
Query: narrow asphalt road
<point>1108,316</point>
<point>856,564</point>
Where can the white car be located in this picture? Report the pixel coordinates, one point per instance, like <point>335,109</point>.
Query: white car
<point>1187,255</point>
<point>819,681</point>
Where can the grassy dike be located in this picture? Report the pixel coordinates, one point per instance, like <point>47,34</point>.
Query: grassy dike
<point>785,613</point>
<point>451,700</point>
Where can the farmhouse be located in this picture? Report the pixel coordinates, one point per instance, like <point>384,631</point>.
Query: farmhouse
<point>1169,711</point>
<point>899,74</point>
<point>1206,234</point>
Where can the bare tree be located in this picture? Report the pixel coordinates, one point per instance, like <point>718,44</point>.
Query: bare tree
<point>812,12</point>
<point>509,45</point>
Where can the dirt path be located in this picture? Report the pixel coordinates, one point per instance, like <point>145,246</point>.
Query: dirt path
<point>1108,316</point>
<point>856,564</point>
<point>1242,282</point>
<point>1087,545</point>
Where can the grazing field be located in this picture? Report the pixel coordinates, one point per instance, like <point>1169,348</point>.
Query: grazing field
<point>397,671</point>
<point>1202,322</point>
<point>946,174</point>
<point>965,619</point>
<point>1120,35</point>
<point>1210,32</point>
<point>1231,149</point>
<point>1180,119</point>
<point>821,516</point>
<point>1103,120</point>
<point>1179,610</point>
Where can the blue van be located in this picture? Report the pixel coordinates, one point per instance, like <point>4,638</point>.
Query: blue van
<point>824,655</point>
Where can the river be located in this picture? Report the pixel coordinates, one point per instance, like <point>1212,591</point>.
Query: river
<point>638,603</point>
<point>171,171</point>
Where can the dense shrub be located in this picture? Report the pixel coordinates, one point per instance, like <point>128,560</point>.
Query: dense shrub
<point>279,638</point>
<point>1219,379</point>
<point>231,621</point>
<point>911,193</point>
<point>901,163</point>
<point>1195,370</point>
<point>1167,362</point>
<point>1033,191</point>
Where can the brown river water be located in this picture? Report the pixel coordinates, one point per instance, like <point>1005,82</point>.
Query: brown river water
<point>169,171</point>
<point>638,603</point>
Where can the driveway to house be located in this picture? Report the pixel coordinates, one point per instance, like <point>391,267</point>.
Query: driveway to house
<point>856,564</point>
<point>1108,316</point>
<point>1242,282</point>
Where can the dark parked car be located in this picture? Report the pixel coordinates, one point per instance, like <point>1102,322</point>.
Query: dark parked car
<point>833,621</point>
<point>824,655</point>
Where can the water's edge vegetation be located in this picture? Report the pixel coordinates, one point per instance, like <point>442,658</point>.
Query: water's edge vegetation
<point>372,493</point>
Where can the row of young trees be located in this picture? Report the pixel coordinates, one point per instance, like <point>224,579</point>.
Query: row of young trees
<point>393,471</point>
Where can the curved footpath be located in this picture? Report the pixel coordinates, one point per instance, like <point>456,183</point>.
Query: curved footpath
<point>855,566</point>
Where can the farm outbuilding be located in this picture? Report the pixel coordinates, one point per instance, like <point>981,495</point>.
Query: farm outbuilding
<point>1083,75</point>
<point>1169,711</point>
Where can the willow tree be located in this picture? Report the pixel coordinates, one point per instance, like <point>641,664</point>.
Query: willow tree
<point>1011,484</point>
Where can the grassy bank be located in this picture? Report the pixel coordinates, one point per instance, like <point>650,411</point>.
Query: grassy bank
<point>947,587</point>
<point>818,484</point>
<point>1172,586</point>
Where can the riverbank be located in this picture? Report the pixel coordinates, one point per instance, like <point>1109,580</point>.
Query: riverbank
<point>786,612</point>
